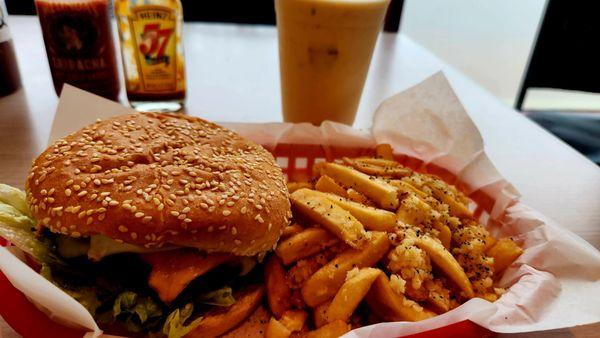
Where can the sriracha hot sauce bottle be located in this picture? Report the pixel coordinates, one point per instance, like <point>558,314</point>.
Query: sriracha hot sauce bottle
<point>80,46</point>
<point>150,32</point>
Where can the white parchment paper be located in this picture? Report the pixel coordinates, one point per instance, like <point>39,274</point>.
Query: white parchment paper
<point>554,284</point>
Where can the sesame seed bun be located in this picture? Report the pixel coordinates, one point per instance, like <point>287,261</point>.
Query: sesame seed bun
<point>154,180</point>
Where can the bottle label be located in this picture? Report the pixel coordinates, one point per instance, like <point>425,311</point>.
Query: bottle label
<point>153,32</point>
<point>4,32</point>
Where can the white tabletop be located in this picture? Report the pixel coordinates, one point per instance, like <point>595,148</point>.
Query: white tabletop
<point>233,75</point>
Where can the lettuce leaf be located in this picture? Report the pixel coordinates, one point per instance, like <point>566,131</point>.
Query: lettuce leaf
<point>131,303</point>
<point>13,217</point>
<point>175,327</point>
<point>220,297</point>
<point>16,226</point>
<point>14,197</point>
<point>27,241</point>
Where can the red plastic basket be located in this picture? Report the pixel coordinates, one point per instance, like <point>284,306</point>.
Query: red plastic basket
<point>296,161</point>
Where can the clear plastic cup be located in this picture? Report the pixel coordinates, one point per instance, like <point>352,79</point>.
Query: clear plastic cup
<point>325,48</point>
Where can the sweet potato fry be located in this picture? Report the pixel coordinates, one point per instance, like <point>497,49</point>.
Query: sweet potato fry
<point>381,162</point>
<point>490,241</point>
<point>357,197</point>
<point>324,284</point>
<point>414,211</point>
<point>390,306</point>
<point>372,218</point>
<point>294,319</point>
<point>504,252</point>
<point>320,314</point>
<point>407,188</point>
<point>384,151</point>
<point>332,330</point>
<point>445,235</point>
<point>378,167</point>
<point>442,192</point>
<point>378,190</point>
<point>327,184</point>
<point>351,294</point>
<point>323,211</point>
<point>278,292</point>
<point>220,320</point>
<point>275,329</point>
<point>446,262</point>
<point>304,244</point>
<point>293,186</point>
<point>291,230</point>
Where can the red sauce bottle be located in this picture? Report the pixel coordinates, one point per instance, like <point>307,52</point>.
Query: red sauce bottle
<point>80,45</point>
<point>10,79</point>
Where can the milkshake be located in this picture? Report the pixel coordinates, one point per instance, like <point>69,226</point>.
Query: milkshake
<point>325,48</point>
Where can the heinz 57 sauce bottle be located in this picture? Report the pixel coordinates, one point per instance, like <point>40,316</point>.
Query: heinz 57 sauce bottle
<point>79,43</point>
<point>152,51</point>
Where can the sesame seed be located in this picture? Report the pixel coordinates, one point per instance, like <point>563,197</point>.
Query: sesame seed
<point>123,228</point>
<point>186,210</point>
<point>175,213</point>
<point>226,212</point>
<point>243,210</point>
<point>133,235</point>
<point>233,230</point>
<point>68,192</point>
<point>75,234</point>
<point>139,214</point>
<point>188,220</point>
<point>82,193</point>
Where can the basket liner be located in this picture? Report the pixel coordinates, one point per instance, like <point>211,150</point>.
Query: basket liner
<point>553,284</point>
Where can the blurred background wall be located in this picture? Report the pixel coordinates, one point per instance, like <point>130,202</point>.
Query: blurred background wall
<point>489,40</point>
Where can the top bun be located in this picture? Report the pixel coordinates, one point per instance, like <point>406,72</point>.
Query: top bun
<point>154,180</point>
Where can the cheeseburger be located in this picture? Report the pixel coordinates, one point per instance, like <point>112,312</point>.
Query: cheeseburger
<point>157,224</point>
